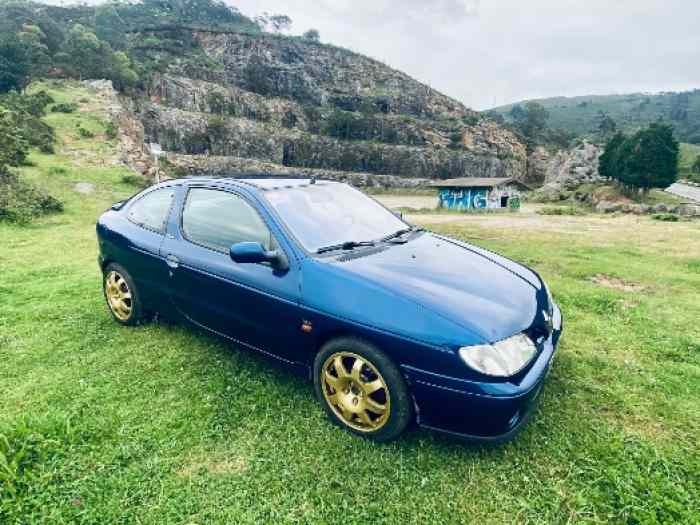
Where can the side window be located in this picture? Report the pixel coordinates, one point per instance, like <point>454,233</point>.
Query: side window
<point>217,219</point>
<point>151,211</point>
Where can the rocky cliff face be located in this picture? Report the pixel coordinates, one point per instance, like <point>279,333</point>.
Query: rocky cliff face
<point>566,170</point>
<point>286,105</point>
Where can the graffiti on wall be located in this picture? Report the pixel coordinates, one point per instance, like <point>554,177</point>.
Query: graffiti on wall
<point>477,198</point>
<point>463,199</point>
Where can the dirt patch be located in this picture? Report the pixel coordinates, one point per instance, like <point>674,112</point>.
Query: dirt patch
<point>213,466</point>
<point>616,283</point>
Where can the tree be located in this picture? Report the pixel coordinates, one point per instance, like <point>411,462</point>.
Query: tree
<point>654,163</point>
<point>33,38</point>
<point>530,122</point>
<point>609,162</point>
<point>122,73</point>
<point>84,55</point>
<point>606,124</point>
<point>648,159</point>
<point>313,35</point>
<point>15,64</point>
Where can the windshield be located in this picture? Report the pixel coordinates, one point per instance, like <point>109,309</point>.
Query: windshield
<point>325,214</point>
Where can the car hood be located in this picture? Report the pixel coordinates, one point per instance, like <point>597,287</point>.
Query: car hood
<point>490,296</point>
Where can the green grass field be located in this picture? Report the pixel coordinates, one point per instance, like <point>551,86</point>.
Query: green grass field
<point>165,424</point>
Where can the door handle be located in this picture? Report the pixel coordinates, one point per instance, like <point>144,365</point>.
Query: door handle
<point>172,261</point>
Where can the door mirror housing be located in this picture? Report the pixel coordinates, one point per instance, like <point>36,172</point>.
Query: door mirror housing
<point>254,252</point>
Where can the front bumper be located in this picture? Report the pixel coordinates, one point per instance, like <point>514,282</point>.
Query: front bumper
<point>483,411</point>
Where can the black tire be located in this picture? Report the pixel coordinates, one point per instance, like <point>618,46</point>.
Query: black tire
<point>135,313</point>
<point>374,365</point>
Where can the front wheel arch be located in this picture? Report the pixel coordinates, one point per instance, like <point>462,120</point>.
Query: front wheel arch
<point>399,400</point>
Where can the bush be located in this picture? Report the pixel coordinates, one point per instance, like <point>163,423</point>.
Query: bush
<point>20,202</point>
<point>666,217</point>
<point>57,170</point>
<point>64,108</point>
<point>135,180</point>
<point>13,145</point>
<point>111,131</point>
<point>85,133</point>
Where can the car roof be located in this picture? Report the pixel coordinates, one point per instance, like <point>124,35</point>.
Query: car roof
<point>264,183</point>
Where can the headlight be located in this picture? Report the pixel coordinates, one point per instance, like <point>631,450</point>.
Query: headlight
<point>501,359</point>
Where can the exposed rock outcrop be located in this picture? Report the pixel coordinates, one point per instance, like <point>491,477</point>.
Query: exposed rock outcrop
<point>567,170</point>
<point>301,105</point>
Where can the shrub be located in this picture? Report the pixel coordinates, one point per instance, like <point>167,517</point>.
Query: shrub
<point>21,202</point>
<point>135,180</point>
<point>64,108</point>
<point>85,133</point>
<point>111,131</point>
<point>13,145</point>
<point>57,170</point>
<point>666,217</point>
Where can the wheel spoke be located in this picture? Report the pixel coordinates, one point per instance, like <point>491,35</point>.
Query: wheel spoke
<point>124,308</point>
<point>375,407</point>
<point>340,367</point>
<point>372,386</point>
<point>356,369</point>
<point>364,417</point>
<point>330,380</point>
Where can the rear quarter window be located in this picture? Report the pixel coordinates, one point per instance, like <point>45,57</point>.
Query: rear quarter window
<point>151,211</point>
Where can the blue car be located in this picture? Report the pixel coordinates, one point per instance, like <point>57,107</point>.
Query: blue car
<point>392,323</point>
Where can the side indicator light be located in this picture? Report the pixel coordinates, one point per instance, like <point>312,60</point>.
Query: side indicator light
<point>306,327</point>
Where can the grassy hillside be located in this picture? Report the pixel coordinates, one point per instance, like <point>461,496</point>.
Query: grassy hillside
<point>689,152</point>
<point>165,424</point>
<point>579,114</point>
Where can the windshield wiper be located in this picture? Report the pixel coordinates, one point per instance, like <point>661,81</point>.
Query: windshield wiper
<point>400,233</point>
<point>347,245</point>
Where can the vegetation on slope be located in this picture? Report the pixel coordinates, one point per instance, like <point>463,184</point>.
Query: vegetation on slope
<point>582,115</point>
<point>22,127</point>
<point>689,162</point>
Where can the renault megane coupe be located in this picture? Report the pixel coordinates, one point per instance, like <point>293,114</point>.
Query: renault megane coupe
<point>392,323</point>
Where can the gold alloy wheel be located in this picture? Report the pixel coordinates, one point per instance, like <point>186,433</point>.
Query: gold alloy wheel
<point>118,296</point>
<point>355,391</point>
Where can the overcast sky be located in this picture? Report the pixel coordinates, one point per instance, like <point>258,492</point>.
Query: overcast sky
<point>491,52</point>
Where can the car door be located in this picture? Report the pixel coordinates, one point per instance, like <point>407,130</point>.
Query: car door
<point>252,303</point>
<point>144,232</point>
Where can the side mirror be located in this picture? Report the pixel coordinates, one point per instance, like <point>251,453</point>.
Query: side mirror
<point>254,252</point>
